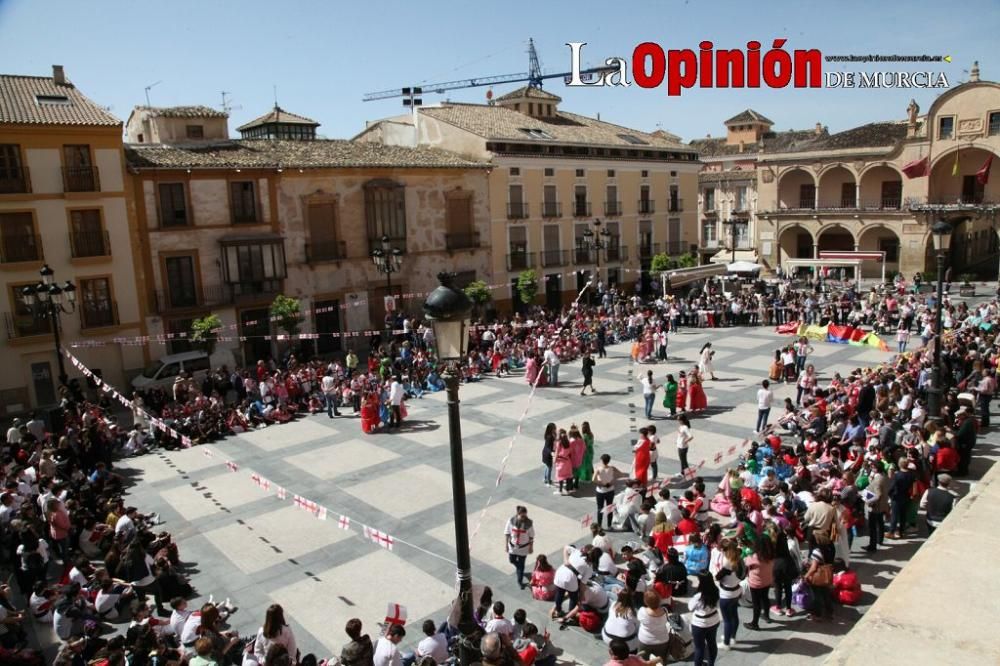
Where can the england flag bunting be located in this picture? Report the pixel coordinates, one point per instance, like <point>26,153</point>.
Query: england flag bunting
<point>344,523</point>
<point>395,614</point>
<point>282,493</point>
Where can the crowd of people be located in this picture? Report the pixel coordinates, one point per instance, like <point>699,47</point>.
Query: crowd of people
<point>852,456</point>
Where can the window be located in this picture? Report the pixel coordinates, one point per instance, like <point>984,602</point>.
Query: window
<point>634,140</point>
<point>892,193</point>
<point>195,131</point>
<point>611,173</point>
<point>22,322</point>
<point>972,190</point>
<point>741,198</point>
<point>581,207</point>
<point>253,267</point>
<point>535,133</point>
<point>807,195</point>
<point>709,198</point>
<point>460,232</point>
<point>53,100</point>
<point>517,257</point>
<point>200,364</point>
<point>645,173</point>
<point>177,344</point>
<point>515,171</point>
<point>673,174</point>
<point>549,173</point>
<point>946,127</point>
<point>96,307</point>
<point>579,173</point>
<point>993,124</point>
<point>891,248</point>
<point>173,205</point>
<point>675,202</point>
<point>531,108</point>
<point>385,213</point>
<point>324,236</point>
<point>611,204</point>
<point>87,238</point>
<point>18,241</point>
<point>848,195</point>
<point>13,179</point>
<point>243,202</point>
<point>79,173</point>
<point>516,208</point>
<point>182,288</point>
<point>708,230</point>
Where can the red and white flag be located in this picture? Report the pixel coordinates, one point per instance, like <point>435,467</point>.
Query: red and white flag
<point>690,473</point>
<point>381,539</point>
<point>731,450</point>
<point>681,540</point>
<point>718,458</point>
<point>265,484</point>
<point>395,614</point>
<point>233,467</point>
<point>299,501</point>
<point>255,479</point>
<point>587,520</point>
<point>609,509</point>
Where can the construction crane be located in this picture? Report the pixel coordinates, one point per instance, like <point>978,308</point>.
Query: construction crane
<point>533,76</point>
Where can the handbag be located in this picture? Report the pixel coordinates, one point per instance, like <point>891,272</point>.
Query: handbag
<point>823,576</point>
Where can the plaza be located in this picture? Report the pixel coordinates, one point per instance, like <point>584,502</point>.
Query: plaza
<point>241,541</point>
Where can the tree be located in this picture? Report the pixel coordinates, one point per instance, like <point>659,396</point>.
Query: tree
<point>687,260</point>
<point>287,313</point>
<point>527,286</point>
<point>479,294</point>
<point>661,262</point>
<point>205,332</point>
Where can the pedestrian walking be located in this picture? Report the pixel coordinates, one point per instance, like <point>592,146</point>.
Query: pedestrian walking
<point>684,438</point>
<point>705,366</point>
<point>587,369</point>
<point>670,395</point>
<point>519,535</point>
<point>548,451</point>
<point>765,396</point>
<point>330,393</point>
<point>649,392</point>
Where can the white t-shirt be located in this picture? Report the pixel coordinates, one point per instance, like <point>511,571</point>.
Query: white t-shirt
<point>566,579</point>
<point>648,386</point>
<point>653,629</point>
<point>386,653</point>
<point>683,435</point>
<point>500,626</point>
<point>764,398</point>
<point>435,647</point>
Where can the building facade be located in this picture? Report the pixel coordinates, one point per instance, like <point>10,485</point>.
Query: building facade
<point>881,186</point>
<point>727,185</point>
<point>63,203</point>
<point>228,225</point>
<point>557,175</point>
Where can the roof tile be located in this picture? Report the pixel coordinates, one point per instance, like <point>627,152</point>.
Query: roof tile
<point>66,105</point>
<point>278,115</point>
<point>194,111</point>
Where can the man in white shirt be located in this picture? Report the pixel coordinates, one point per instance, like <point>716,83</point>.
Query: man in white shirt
<point>14,432</point>
<point>126,524</point>
<point>387,650</point>
<point>435,645</point>
<point>552,360</point>
<point>329,387</point>
<point>396,393</point>
<point>765,396</point>
<point>499,623</point>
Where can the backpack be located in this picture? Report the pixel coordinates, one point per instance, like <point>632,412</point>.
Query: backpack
<point>589,621</point>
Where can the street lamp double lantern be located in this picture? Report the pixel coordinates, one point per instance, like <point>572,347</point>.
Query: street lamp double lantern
<point>941,233</point>
<point>48,300</point>
<point>388,259</point>
<point>449,311</point>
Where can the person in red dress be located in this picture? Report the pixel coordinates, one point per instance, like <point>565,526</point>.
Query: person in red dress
<point>682,391</point>
<point>370,413</point>
<point>697,400</point>
<point>640,460</point>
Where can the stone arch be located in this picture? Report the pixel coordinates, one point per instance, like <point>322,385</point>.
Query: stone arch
<point>881,187</point>
<point>943,187</point>
<point>794,188</point>
<point>838,187</point>
<point>836,236</point>
<point>879,237</point>
<point>796,241</point>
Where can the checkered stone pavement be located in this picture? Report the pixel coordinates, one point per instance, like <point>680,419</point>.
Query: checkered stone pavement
<point>244,543</point>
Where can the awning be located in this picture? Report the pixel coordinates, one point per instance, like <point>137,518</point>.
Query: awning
<point>682,276</point>
<point>743,267</point>
<point>726,256</point>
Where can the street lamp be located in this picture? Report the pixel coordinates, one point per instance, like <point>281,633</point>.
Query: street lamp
<point>449,310</point>
<point>941,233</point>
<point>388,260</point>
<point>731,223</point>
<point>597,240</point>
<point>48,300</point>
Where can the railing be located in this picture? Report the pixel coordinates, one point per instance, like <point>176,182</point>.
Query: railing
<point>743,244</point>
<point>326,251</point>
<point>616,254</point>
<point>14,180</point>
<point>581,209</point>
<point>519,261</point>
<point>554,258</point>
<point>26,325</point>
<point>252,290</point>
<point>740,211</point>
<point>647,250</point>
<point>674,248</point>
<point>711,211</point>
<point>807,204</point>
<point>646,206</point>
<point>583,255</point>
<point>612,208</point>
<point>462,241</point>
<point>89,244</point>
<point>81,179</point>
<point>710,243</point>
<point>845,205</point>
<point>675,205</point>
<point>209,295</point>
<point>551,209</point>
<point>517,211</point>
<point>15,248</point>
<point>98,315</point>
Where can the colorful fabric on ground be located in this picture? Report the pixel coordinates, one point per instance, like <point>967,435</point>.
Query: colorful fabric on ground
<point>789,328</point>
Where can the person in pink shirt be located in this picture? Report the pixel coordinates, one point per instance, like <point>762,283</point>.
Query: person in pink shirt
<point>577,449</point>
<point>59,527</point>
<point>760,568</point>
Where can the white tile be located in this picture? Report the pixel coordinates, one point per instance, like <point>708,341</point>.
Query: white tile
<point>426,434</point>
<point>408,491</point>
<point>292,530</point>
<point>231,489</point>
<point>331,461</point>
<point>526,455</point>
<point>276,437</point>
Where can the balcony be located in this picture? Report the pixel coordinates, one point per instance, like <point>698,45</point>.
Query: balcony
<point>710,243</point>
<point>648,250</point>
<point>710,211</point>
<point>616,254</point>
<point>98,315</point>
<point>517,211</point>
<point>552,258</point>
<point>844,205</point>
<point>551,209</point>
<point>581,209</point>
<point>251,290</point>
<point>468,240</point>
<point>209,295</point>
<point>25,325</point>
<point>81,179</point>
<point>674,248</point>
<point>675,205</point>
<point>612,208</point>
<point>333,250</point>
<point>14,180</point>
<point>646,207</point>
<point>15,248</point>
<point>583,255</point>
<point>89,244</point>
<point>520,261</point>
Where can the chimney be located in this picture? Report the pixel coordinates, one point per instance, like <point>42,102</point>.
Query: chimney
<point>819,128</point>
<point>742,146</point>
<point>58,75</point>
<point>974,72</point>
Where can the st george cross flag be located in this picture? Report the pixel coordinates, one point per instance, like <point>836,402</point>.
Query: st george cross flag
<point>395,614</point>
<point>731,450</point>
<point>587,520</point>
<point>233,467</point>
<point>344,523</point>
<point>718,458</point>
<point>609,509</point>
<point>265,484</point>
<point>381,538</point>
<point>255,478</point>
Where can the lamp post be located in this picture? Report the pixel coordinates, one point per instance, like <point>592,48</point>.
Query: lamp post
<point>45,301</point>
<point>448,309</point>
<point>731,223</point>
<point>941,233</point>
<point>597,239</point>
<point>388,260</point>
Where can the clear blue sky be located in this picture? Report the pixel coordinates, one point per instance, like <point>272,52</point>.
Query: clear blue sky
<point>324,55</point>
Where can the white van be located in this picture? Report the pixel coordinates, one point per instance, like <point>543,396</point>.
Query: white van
<point>162,372</point>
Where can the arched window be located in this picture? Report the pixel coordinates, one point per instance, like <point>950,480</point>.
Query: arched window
<point>385,213</point>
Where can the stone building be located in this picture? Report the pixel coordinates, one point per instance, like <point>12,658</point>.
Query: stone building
<point>557,175</point>
<point>727,184</point>
<point>850,191</point>
<point>226,225</point>
<point>63,203</point>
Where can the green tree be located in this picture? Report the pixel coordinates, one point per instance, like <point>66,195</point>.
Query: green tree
<point>661,262</point>
<point>287,313</point>
<point>687,260</point>
<point>527,286</point>
<point>479,294</point>
<point>205,332</point>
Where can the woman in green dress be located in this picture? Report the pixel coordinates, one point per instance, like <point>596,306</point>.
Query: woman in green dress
<point>586,469</point>
<point>670,395</point>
